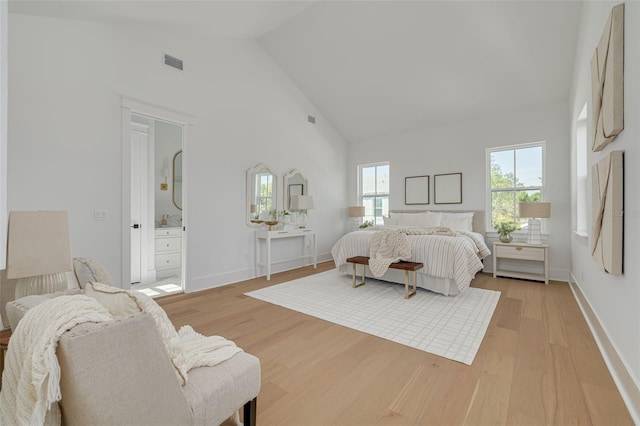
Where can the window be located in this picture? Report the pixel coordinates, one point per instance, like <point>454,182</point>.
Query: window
<point>373,191</point>
<point>581,173</point>
<point>515,175</point>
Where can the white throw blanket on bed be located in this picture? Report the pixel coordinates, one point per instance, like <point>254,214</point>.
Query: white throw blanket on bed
<point>392,245</point>
<point>31,379</point>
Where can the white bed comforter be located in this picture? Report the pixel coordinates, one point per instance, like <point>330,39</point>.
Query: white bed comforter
<point>457,258</point>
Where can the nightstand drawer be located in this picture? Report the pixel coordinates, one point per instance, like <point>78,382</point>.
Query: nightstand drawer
<point>518,252</point>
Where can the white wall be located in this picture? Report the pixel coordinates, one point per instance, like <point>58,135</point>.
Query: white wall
<point>614,300</point>
<point>462,148</point>
<point>65,135</point>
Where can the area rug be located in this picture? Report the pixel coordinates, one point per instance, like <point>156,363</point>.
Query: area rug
<point>449,326</point>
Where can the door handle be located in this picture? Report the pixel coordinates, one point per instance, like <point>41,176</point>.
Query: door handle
<point>136,226</point>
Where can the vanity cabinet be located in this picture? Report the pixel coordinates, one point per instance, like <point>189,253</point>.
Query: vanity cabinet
<point>168,251</point>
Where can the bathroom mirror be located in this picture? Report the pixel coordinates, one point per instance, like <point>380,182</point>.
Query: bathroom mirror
<point>177,179</point>
<point>294,184</point>
<point>261,192</point>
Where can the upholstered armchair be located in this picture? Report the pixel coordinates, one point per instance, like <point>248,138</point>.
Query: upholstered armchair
<point>118,373</point>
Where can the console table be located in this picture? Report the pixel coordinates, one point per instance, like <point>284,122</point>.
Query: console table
<point>267,236</point>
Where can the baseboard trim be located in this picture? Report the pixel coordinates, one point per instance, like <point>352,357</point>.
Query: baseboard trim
<point>627,386</point>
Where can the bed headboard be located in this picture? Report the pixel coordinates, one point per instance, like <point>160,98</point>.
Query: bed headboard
<point>478,217</point>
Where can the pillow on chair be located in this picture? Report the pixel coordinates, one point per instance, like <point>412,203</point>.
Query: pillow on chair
<point>88,270</point>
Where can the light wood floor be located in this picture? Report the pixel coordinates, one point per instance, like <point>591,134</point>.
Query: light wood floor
<point>538,363</point>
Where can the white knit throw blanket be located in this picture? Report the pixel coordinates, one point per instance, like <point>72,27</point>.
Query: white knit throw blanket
<point>186,348</point>
<point>31,378</point>
<point>392,245</point>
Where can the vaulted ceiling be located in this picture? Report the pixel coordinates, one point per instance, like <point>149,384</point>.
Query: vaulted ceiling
<point>376,68</point>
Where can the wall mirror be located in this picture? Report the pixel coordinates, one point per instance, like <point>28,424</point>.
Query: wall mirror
<point>177,179</point>
<point>294,184</point>
<point>261,192</point>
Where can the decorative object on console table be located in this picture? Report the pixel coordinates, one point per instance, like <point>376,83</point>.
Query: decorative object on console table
<point>38,251</point>
<point>535,212</point>
<point>447,188</point>
<point>356,212</point>
<point>302,203</point>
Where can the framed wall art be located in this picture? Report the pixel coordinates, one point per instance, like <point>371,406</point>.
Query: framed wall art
<point>416,190</point>
<point>607,81</point>
<point>447,188</point>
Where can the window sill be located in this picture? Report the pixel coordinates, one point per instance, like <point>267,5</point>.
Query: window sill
<point>581,236</point>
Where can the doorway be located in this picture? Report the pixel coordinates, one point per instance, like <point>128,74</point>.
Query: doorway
<point>154,198</point>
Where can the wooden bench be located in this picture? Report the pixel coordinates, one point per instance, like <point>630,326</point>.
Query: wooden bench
<point>402,265</point>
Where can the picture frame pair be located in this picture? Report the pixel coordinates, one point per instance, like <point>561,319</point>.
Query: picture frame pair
<point>447,189</point>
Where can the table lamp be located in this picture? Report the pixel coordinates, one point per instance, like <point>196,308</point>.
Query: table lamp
<point>302,203</point>
<point>356,212</point>
<point>535,212</point>
<point>38,251</point>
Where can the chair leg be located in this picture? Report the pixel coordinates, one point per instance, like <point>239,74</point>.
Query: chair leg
<point>249,412</point>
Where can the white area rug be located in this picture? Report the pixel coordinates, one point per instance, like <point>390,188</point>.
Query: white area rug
<point>449,326</point>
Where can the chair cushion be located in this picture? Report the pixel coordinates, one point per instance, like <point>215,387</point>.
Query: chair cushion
<point>215,393</point>
<point>17,308</point>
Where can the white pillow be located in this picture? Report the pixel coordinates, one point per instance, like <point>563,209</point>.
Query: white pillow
<point>428,219</point>
<point>118,302</point>
<point>460,221</point>
<point>390,220</point>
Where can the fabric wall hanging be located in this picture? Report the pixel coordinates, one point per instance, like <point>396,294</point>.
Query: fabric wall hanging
<point>607,81</point>
<point>607,212</point>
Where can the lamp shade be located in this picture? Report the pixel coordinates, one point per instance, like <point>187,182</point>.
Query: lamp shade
<point>535,210</point>
<point>301,202</point>
<point>356,211</point>
<point>38,244</point>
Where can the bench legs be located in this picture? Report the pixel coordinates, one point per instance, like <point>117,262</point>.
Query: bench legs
<point>408,295</point>
<point>354,284</point>
<point>249,412</point>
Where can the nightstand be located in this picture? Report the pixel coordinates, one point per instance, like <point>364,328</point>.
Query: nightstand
<point>521,251</point>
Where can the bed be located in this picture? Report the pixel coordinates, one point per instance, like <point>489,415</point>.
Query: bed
<point>451,262</point>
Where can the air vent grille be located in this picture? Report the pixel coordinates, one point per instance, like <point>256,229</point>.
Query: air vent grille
<point>173,62</point>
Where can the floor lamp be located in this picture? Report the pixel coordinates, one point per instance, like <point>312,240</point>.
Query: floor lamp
<point>38,251</point>
<point>535,212</point>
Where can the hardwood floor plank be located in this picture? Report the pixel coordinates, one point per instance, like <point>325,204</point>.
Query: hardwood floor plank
<point>509,314</point>
<point>538,363</point>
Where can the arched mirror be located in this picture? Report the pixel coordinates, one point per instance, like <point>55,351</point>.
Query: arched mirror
<point>294,184</point>
<point>177,180</point>
<point>262,189</point>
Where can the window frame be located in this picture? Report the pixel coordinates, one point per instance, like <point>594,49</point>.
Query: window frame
<point>489,190</point>
<point>360,195</point>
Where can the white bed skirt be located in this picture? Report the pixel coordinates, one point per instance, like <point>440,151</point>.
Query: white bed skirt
<point>444,286</point>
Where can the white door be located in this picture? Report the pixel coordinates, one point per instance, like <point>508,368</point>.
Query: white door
<point>139,203</point>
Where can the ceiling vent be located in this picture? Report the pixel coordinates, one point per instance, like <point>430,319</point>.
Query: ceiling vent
<point>173,62</point>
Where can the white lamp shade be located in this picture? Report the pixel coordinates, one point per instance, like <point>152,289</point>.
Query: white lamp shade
<point>356,211</point>
<point>38,244</point>
<point>535,210</point>
<point>301,202</point>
